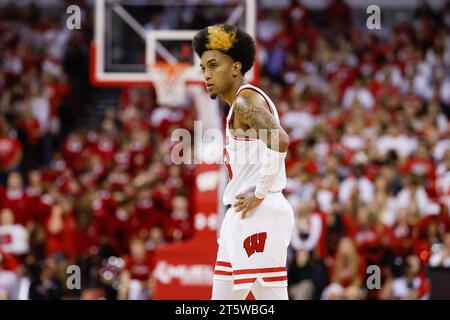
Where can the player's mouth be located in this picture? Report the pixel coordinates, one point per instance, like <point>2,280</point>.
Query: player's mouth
<point>209,86</point>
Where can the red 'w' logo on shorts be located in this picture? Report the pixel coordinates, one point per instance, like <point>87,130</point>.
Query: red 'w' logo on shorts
<point>255,243</point>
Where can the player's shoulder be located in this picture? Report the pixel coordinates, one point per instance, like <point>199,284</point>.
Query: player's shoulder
<point>251,95</point>
<point>250,90</point>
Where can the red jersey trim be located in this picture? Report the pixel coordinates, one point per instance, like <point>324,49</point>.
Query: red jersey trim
<point>223,264</point>
<point>259,270</point>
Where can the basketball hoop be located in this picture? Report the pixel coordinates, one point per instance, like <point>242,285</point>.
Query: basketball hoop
<point>169,80</point>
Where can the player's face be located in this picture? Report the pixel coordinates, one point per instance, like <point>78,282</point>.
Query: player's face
<point>217,71</point>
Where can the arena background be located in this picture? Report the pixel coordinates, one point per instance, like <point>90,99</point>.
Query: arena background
<point>89,187</point>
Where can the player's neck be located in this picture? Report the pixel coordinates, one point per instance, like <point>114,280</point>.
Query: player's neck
<point>230,95</point>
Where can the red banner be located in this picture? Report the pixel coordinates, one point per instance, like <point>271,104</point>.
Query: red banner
<point>184,270</point>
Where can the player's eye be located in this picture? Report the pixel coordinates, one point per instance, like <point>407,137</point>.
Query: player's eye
<point>213,65</point>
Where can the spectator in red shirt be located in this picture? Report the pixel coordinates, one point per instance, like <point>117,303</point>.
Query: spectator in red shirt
<point>73,150</point>
<point>30,126</point>
<point>136,280</point>
<point>367,235</point>
<point>105,148</point>
<point>61,230</point>
<point>420,164</point>
<point>10,150</point>
<point>145,211</point>
<point>87,237</point>
<point>34,192</point>
<point>347,273</point>
<point>140,150</point>
<point>402,233</point>
<point>34,189</point>
<point>339,16</point>
<point>9,280</point>
<point>427,235</point>
<point>16,199</point>
<point>178,224</point>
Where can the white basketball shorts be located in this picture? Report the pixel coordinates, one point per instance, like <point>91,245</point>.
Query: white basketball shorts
<point>255,248</point>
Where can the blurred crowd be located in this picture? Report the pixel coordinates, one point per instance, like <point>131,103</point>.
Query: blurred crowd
<point>98,196</point>
<point>368,166</point>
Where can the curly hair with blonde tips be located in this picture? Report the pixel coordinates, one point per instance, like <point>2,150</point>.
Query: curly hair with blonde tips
<point>229,40</point>
<point>219,39</point>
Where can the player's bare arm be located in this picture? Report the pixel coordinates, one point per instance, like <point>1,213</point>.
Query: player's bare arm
<point>251,112</point>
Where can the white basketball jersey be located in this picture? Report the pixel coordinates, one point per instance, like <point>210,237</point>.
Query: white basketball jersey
<point>243,156</point>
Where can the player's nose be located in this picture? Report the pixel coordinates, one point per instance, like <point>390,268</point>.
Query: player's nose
<point>207,75</point>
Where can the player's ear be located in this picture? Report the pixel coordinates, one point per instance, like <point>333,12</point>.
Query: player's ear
<point>236,68</point>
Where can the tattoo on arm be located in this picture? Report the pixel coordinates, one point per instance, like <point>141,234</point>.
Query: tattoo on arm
<point>255,116</point>
<point>258,118</point>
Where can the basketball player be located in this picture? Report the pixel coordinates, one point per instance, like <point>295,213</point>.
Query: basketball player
<point>257,227</point>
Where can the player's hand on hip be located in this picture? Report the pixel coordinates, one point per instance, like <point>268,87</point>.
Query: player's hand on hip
<point>245,203</point>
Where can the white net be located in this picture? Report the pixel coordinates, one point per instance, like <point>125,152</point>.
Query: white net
<point>170,83</point>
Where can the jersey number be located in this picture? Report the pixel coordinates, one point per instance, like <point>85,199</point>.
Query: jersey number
<point>255,243</point>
